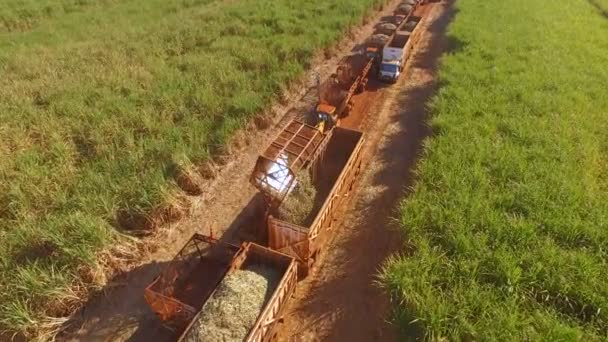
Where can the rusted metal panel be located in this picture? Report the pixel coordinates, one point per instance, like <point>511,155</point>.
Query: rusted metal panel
<point>264,328</point>
<point>169,310</point>
<point>175,295</point>
<point>269,316</point>
<point>293,149</point>
<point>288,238</point>
<point>303,243</point>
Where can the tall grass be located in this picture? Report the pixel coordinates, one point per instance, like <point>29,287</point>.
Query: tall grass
<point>509,218</point>
<point>22,15</point>
<point>101,100</point>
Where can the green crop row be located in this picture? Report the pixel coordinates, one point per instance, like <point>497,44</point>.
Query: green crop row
<point>509,217</point>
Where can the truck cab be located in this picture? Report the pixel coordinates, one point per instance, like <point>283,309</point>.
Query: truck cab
<point>324,117</point>
<point>393,57</point>
<point>390,71</point>
<point>371,52</point>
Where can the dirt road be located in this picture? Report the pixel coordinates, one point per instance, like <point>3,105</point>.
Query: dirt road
<point>340,301</point>
<point>118,312</point>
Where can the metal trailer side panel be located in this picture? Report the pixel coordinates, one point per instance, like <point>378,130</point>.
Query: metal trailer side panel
<point>413,40</point>
<point>303,243</point>
<point>288,238</point>
<point>409,45</point>
<point>360,81</point>
<point>264,328</point>
<point>281,292</point>
<point>338,194</point>
<point>416,32</point>
<point>171,295</point>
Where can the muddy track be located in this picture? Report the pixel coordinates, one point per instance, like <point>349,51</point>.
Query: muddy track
<point>228,204</point>
<point>339,301</point>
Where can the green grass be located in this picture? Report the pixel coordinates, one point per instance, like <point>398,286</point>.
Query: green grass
<point>507,226</point>
<point>23,15</point>
<point>100,100</point>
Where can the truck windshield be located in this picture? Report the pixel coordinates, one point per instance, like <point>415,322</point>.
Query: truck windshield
<point>323,117</point>
<point>389,68</point>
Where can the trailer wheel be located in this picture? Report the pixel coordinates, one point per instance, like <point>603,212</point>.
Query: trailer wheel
<point>361,87</point>
<point>311,262</point>
<point>348,108</point>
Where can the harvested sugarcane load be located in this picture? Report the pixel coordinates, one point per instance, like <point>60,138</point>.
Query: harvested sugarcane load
<point>335,171</point>
<point>234,307</point>
<point>215,291</point>
<point>404,9</point>
<point>298,205</point>
<point>411,24</point>
<point>386,28</point>
<point>378,39</point>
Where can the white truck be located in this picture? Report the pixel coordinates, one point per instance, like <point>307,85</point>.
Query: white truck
<point>396,52</point>
<point>394,56</point>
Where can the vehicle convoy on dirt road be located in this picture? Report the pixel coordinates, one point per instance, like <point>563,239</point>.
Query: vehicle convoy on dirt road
<point>396,52</point>
<point>384,58</point>
<point>203,279</point>
<point>333,164</point>
<point>335,94</point>
<point>177,116</point>
<point>192,294</point>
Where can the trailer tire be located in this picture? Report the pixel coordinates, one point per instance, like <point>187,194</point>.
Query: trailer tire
<point>361,87</point>
<point>348,108</point>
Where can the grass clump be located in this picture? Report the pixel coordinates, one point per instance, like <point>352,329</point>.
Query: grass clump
<point>299,203</point>
<point>509,218</point>
<point>102,100</point>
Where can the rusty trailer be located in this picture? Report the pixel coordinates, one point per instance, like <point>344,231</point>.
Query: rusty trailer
<point>334,172</point>
<point>188,280</point>
<point>177,295</point>
<point>296,147</point>
<point>404,17</point>
<point>336,93</point>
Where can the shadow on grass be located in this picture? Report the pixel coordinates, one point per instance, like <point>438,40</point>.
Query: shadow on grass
<point>348,298</point>
<point>602,11</point>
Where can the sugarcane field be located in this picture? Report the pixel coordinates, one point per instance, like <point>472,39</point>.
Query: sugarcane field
<point>303,170</point>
